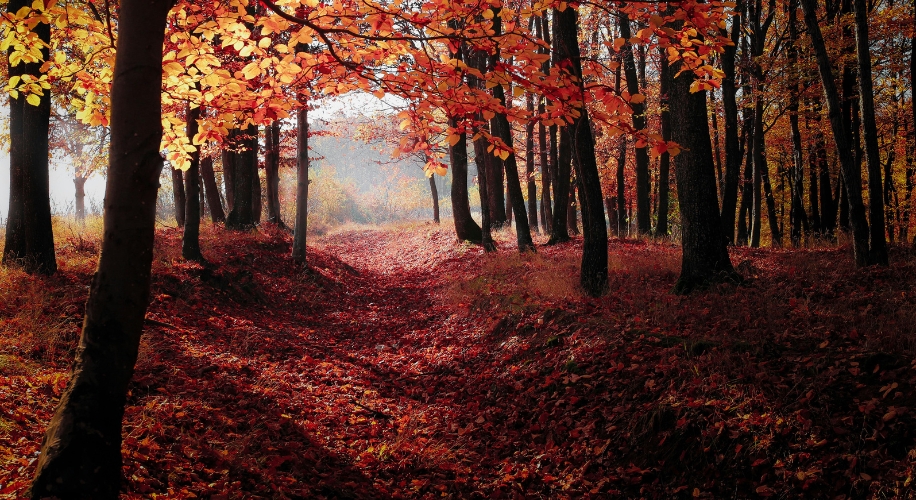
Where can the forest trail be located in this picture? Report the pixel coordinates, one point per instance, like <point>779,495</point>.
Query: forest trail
<point>403,364</point>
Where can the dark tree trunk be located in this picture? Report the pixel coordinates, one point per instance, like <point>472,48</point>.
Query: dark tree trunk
<point>228,165</point>
<point>717,151</point>
<point>29,235</point>
<point>610,204</point>
<point>622,220</point>
<point>828,201</point>
<point>572,222</point>
<point>513,186</point>
<point>664,164</point>
<point>546,208</point>
<point>81,452</point>
<point>434,193</point>
<point>256,207</point>
<point>850,170</point>
<point>302,186</point>
<point>272,173</point>
<point>213,200</point>
<point>241,217</point>
<point>877,244</point>
<point>747,184</point>
<point>643,210</point>
<point>80,184</point>
<point>732,149</point>
<point>481,158</point>
<point>594,268</point>
<point>190,240</point>
<point>798,216</point>
<point>509,204</point>
<point>466,229</point>
<point>529,170</point>
<point>499,216</point>
<point>705,252</point>
<point>178,195</point>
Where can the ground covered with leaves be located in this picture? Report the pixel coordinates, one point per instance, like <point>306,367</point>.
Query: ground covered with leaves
<point>403,364</point>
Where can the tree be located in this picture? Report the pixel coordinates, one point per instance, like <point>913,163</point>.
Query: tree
<point>272,171</point>
<point>211,190</point>
<point>705,254</point>
<point>29,235</point>
<point>302,185</point>
<point>81,452</point>
<point>190,240</point>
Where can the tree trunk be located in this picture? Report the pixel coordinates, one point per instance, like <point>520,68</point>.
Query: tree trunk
<point>228,165</point>
<point>877,244</point>
<point>546,209</point>
<point>610,204</point>
<point>81,452</point>
<point>705,253</point>
<point>529,169</point>
<point>622,220</point>
<point>513,186</point>
<point>717,151</point>
<point>572,222</point>
<point>272,172</point>
<point>481,158</point>
<point>80,184</point>
<point>643,210</point>
<point>256,207</point>
<point>302,185</point>
<point>664,163</point>
<point>747,184</point>
<point>466,229</point>
<point>594,269</point>
<point>241,217</point>
<point>29,235</point>
<point>190,240</point>
<point>212,191</point>
<point>732,149</point>
<point>434,193</point>
<point>850,170</point>
<point>178,195</point>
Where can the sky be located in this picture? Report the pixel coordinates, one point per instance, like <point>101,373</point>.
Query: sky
<point>61,185</point>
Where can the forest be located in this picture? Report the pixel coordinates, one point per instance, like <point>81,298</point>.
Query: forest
<point>582,250</point>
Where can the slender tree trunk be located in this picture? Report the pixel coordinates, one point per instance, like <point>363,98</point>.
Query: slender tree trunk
<point>80,184</point>
<point>850,170</point>
<point>508,205</point>
<point>664,164</point>
<point>717,151</point>
<point>705,254</point>
<point>242,215</point>
<point>228,165</point>
<point>190,239</point>
<point>481,158</point>
<point>622,220</point>
<point>797,211</point>
<point>466,229</point>
<point>610,204</point>
<point>643,210</point>
<point>572,222</point>
<point>529,169</point>
<point>212,191</point>
<point>513,186</point>
<point>747,186</point>
<point>434,193</point>
<point>256,206</point>
<point>877,243</point>
<point>272,172</point>
<point>178,195</point>
<point>81,452</point>
<point>29,235</point>
<point>594,268</point>
<point>546,209</point>
<point>732,149</point>
<point>302,186</point>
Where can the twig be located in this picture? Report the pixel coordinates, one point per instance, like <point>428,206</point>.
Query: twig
<point>373,413</point>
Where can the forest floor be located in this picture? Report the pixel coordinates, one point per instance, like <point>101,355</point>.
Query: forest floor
<point>402,364</point>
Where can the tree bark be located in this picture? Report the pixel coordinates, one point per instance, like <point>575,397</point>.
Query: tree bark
<point>594,268</point>
<point>190,240</point>
<point>302,186</point>
<point>849,168</point>
<point>664,163</point>
<point>543,151</point>
<point>572,221</point>
<point>29,235</point>
<point>643,210</point>
<point>705,253</point>
<point>80,184</point>
<point>466,229</point>
<point>241,216</point>
<point>81,452</point>
<point>228,165</point>
<point>877,243</point>
<point>179,197</point>
<point>434,193</point>
<point>622,220</point>
<point>256,205</point>
<point>732,149</point>
<point>481,158</point>
<point>272,173</point>
<point>529,169</point>
<point>212,191</point>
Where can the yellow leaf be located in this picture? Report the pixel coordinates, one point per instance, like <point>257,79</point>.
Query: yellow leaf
<point>441,170</point>
<point>264,42</point>
<point>503,155</point>
<point>637,98</point>
<point>173,68</point>
<point>488,14</point>
<point>518,91</point>
<point>33,99</point>
<point>38,5</point>
<point>404,124</point>
<point>251,71</point>
<point>379,93</point>
<point>453,139</point>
